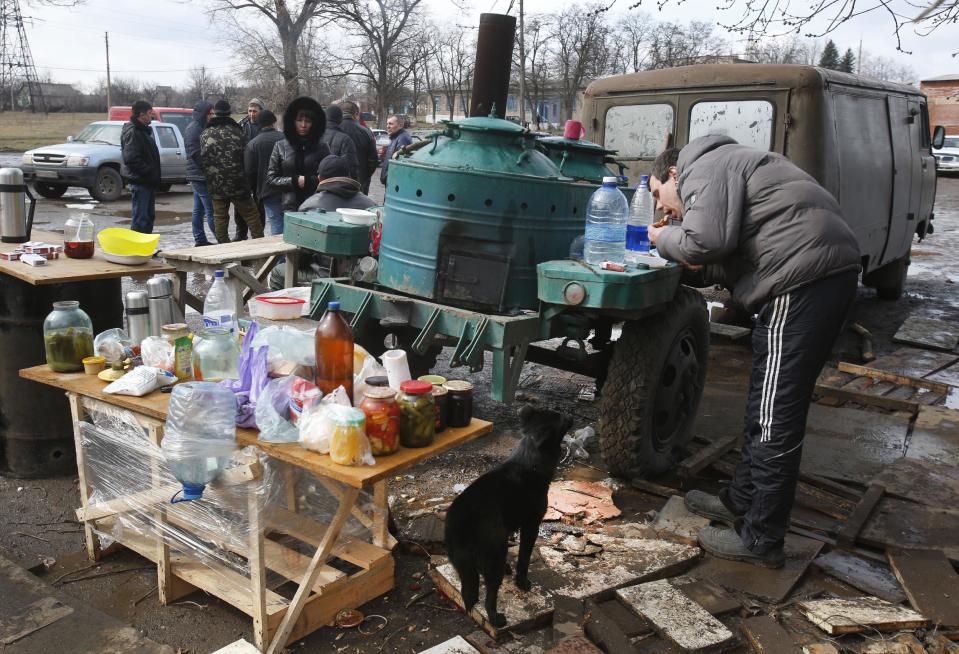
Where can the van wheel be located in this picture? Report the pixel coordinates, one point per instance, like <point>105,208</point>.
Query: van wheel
<point>653,386</point>
<point>890,280</point>
<point>107,186</point>
<point>50,191</point>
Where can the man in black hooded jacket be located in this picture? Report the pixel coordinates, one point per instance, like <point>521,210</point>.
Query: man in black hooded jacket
<point>141,166</point>
<point>202,204</point>
<point>295,162</point>
<point>340,143</point>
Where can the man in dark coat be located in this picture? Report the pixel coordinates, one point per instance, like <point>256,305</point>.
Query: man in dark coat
<point>141,166</point>
<point>757,224</point>
<point>399,137</point>
<point>256,162</point>
<point>221,150</point>
<point>202,204</point>
<point>295,162</point>
<point>339,142</point>
<point>250,123</point>
<point>365,143</point>
<point>336,190</point>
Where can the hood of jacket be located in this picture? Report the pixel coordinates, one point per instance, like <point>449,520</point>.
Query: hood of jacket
<point>217,121</point>
<point>698,147</point>
<point>319,123</point>
<point>345,187</point>
<point>200,111</point>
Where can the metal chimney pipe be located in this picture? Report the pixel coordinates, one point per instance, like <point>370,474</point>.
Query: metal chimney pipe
<point>494,61</point>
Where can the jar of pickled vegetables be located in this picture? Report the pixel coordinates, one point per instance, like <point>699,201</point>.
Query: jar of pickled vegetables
<point>440,398</point>
<point>348,442</point>
<point>459,409</point>
<point>417,413</point>
<point>67,337</point>
<point>382,420</point>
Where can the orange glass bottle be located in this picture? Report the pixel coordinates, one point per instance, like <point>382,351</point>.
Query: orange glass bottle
<point>334,352</point>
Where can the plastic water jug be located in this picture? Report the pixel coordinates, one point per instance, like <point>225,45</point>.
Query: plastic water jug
<point>606,217</point>
<point>640,218</point>
<point>219,307</point>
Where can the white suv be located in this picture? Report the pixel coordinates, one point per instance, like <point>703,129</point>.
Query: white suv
<point>947,157</point>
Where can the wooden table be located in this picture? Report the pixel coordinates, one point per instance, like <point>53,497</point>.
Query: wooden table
<point>276,620</point>
<point>263,253</point>
<point>62,270</point>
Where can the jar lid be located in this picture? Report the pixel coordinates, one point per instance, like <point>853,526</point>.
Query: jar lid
<point>175,328</point>
<point>379,392</point>
<point>93,360</point>
<point>378,380</point>
<point>436,380</point>
<point>416,387</point>
<point>349,417</point>
<point>213,330</point>
<point>458,386</point>
<point>439,391</point>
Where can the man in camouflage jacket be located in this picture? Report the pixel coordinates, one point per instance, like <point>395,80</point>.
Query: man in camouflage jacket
<point>221,150</point>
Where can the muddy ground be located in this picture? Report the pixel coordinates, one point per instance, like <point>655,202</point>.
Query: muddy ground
<point>39,514</point>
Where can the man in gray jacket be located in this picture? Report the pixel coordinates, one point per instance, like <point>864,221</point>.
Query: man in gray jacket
<point>752,221</point>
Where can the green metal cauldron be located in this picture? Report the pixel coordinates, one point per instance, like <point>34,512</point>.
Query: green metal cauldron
<point>582,160</point>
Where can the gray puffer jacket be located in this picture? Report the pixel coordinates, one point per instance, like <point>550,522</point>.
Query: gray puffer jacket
<point>760,225</point>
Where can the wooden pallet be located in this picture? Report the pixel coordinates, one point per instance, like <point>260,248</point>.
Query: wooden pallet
<point>879,388</point>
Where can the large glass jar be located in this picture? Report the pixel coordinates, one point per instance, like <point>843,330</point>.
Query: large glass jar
<point>382,420</point>
<point>417,413</point>
<point>78,236</point>
<point>215,355</point>
<point>67,337</point>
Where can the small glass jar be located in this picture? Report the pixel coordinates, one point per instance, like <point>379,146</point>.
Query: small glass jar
<point>441,399</point>
<point>67,337</point>
<point>347,444</point>
<point>178,335</point>
<point>382,419</point>
<point>417,413</point>
<point>459,411</point>
<point>215,355</point>
<point>78,236</point>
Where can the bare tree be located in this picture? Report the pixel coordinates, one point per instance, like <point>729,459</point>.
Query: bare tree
<point>203,85</point>
<point>885,69</point>
<point>636,32</point>
<point>675,44</point>
<point>538,28</point>
<point>422,62</point>
<point>579,39</point>
<point>455,59</point>
<point>783,50</point>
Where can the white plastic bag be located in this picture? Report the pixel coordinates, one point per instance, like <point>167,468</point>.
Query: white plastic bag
<point>273,410</point>
<point>576,443</point>
<point>140,381</point>
<point>112,344</point>
<point>370,369</point>
<point>287,344</point>
<point>157,352</point>
<point>316,423</point>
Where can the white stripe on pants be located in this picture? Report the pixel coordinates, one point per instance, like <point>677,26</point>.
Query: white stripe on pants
<point>774,351</point>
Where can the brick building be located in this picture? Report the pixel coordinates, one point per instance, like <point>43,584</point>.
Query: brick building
<point>943,94</point>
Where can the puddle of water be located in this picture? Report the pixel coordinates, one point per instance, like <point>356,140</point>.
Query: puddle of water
<point>87,206</point>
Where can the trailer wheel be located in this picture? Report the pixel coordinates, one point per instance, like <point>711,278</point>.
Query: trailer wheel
<point>653,387</point>
<point>377,339</point>
<point>890,280</point>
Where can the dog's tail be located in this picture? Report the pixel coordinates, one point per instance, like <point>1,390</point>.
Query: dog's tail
<point>469,580</point>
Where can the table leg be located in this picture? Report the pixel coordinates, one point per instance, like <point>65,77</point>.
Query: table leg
<point>78,414</point>
<point>289,269</point>
<point>289,476</point>
<point>257,562</point>
<point>180,290</point>
<point>381,513</point>
<point>347,501</point>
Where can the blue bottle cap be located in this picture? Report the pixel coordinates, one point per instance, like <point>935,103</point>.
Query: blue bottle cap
<point>644,179</point>
<point>218,274</point>
<point>189,493</point>
<point>334,305</point>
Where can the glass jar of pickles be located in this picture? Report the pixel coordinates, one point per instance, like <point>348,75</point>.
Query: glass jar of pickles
<point>382,419</point>
<point>417,413</point>
<point>67,337</point>
<point>348,442</point>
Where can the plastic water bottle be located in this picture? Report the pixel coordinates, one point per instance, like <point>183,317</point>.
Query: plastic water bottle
<point>606,218</point>
<point>219,307</point>
<point>640,218</point>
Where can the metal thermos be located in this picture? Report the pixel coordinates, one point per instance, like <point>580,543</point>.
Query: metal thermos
<point>138,316</point>
<point>163,309</point>
<point>15,221</point>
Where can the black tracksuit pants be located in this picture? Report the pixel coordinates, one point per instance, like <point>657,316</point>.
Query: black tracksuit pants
<point>792,338</point>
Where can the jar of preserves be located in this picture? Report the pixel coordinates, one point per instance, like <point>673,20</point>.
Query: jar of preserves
<point>382,419</point>
<point>67,337</point>
<point>459,410</point>
<point>78,236</point>
<point>348,443</point>
<point>417,413</point>
<point>178,335</point>
<point>215,355</point>
<point>441,399</point>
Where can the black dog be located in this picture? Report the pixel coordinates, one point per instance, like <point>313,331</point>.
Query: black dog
<point>510,497</point>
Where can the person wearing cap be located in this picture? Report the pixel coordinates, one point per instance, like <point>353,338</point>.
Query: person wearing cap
<point>141,166</point>
<point>295,161</point>
<point>222,147</point>
<point>364,141</point>
<point>249,124</point>
<point>339,142</point>
<point>256,161</point>
<point>336,190</point>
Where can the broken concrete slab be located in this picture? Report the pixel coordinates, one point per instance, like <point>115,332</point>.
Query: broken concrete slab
<point>914,362</point>
<point>523,610</point>
<point>931,584</point>
<point>677,618</point>
<point>935,436</point>
<point>536,642</point>
<point>948,375</point>
<point>858,614</point>
<point>766,584</point>
<point>905,525</point>
<point>766,636</point>
<point>590,501</point>
<point>921,481</point>
<point>868,576</point>
<point>928,333</point>
<point>675,522</point>
<point>455,645</point>
<point>624,561</point>
<point>851,444</point>
<point>605,631</point>
<point>707,594</point>
<point>45,611</point>
<point>628,622</point>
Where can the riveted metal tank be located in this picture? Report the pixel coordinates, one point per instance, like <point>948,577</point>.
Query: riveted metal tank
<point>470,215</point>
<point>581,160</point>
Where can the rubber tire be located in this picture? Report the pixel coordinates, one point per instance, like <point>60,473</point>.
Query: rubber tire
<point>50,191</point>
<point>890,280</point>
<point>164,188</point>
<point>108,185</point>
<point>638,373</point>
<point>373,335</point>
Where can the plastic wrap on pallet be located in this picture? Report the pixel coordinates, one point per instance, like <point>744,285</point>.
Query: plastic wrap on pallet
<point>131,487</point>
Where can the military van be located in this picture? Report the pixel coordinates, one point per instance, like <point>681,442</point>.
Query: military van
<point>868,142</point>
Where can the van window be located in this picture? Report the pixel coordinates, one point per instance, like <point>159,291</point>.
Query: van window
<point>639,130</point>
<point>924,127</point>
<point>749,122</point>
<point>167,137</point>
<point>181,120</point>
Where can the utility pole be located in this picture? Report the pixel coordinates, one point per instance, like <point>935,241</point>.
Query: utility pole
<point>522,67</point>
<point>859,58</point>
<point>106,39</point>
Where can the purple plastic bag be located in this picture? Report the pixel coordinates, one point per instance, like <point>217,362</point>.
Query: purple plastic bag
<point>254,376</point>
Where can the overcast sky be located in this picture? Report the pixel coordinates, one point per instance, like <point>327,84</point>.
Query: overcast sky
<point>160,40</point>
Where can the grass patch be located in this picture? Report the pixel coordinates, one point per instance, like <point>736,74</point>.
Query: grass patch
<point>20,130</point>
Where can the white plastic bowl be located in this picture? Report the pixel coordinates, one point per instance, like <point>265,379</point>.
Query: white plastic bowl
<point>357,216</point>
<point>278,308</point>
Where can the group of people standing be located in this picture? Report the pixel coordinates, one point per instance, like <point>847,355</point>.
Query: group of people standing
<point>322,159</point>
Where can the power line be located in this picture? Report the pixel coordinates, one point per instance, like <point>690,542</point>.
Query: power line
<point>100,70</point>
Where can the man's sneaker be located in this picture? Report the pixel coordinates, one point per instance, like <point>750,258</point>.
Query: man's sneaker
<point>709,506</point>
<point>726,544</point>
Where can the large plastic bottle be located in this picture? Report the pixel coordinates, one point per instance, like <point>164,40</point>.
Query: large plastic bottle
<point>334,351</point>
<point>606,217</point>
<point>219,307</point>
<point>640,218</point>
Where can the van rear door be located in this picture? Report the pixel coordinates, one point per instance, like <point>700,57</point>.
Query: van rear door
<point>904,136</point>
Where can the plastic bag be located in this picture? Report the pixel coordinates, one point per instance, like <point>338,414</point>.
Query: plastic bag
<point>273,412</point>
<point>316,424</point>
<point>349,445</point>
<point>157,352</point>
<point>253,378</point>
<point>113,344</point>
<point>370,369</point>
<point>286,344</point>
<point>140,381</point>
<point>576,443</point>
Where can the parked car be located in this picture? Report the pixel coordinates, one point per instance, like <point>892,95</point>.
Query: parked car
<point>92,159</point>
<point>179,116</point>
<point>382,138</point>
<point>947,157</point>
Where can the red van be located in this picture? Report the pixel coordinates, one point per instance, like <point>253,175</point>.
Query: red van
<point>176,115</point>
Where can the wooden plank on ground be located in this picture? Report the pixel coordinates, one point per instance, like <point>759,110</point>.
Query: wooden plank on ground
<point>935,436</point>
<point>605,631</point>
<point>853,525</point>
<point>701,459</point>
<point>914,362</point>
<point>948,376</point>
<point>766,636</point>
<point>892,377</point>
<point>732,332</point>
<point>675,617</point>
<point>868,576</point>
<point>675,522</point>
<point>707,594</point>
<point>930,583</point>
<point>928,333</point>
<point>905,525</point>
<point>924,482</point>
<point>881,401</point>
<point>859,614</point>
